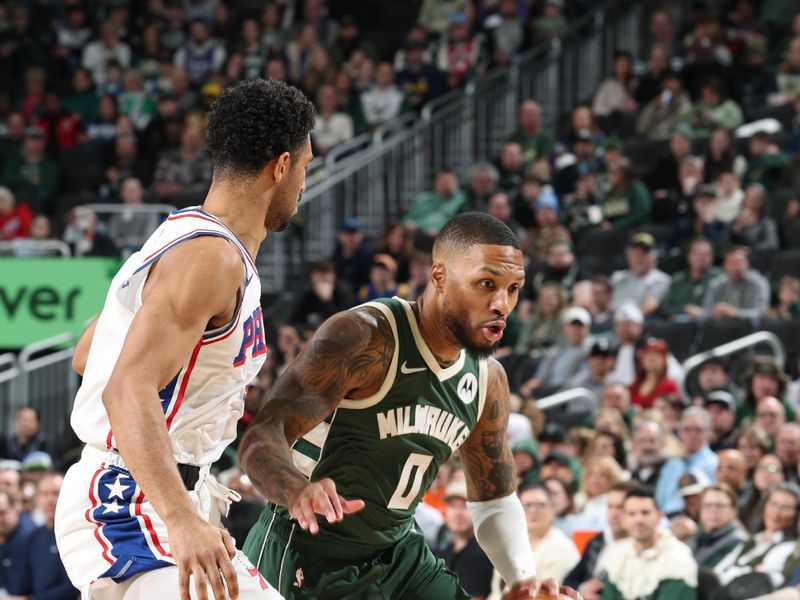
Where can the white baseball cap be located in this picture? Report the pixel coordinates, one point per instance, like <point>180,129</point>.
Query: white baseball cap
<point>629,312</point>
<point>577,313</point>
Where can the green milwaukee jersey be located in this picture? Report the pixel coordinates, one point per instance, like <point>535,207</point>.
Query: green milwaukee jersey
<point>386,449</point>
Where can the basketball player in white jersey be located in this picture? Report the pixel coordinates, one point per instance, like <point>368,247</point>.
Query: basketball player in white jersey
<point>179,336</point>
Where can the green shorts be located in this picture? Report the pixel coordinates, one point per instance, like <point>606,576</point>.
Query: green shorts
<point>302,567</point>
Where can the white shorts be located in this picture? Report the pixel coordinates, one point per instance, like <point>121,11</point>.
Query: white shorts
<point>108,533</point>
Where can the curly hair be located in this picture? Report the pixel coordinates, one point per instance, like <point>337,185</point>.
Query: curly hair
<point>255,121</point>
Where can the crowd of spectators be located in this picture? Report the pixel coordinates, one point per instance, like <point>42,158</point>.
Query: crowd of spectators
<point>659,218</point>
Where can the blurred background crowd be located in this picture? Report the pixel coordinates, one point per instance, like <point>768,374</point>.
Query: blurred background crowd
<point>659,218</point>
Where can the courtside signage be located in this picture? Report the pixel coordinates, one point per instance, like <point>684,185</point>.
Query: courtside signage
<point>42,297</point>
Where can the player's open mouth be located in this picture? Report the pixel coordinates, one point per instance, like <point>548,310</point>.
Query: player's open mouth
<point>493,332</point>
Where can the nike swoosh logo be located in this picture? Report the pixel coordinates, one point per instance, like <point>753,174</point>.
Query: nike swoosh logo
<point>247,281</point>
<point>405,370</point>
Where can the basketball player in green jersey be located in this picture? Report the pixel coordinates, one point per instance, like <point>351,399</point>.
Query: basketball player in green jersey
<point>383,394</point>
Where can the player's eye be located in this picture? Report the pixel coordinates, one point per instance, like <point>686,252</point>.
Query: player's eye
<point>487,283</point>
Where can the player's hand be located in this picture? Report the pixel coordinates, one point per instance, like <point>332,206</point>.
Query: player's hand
<point>592,589</point>
<point>205,552</point>
<point>525,590</point>
<point>320,498</point>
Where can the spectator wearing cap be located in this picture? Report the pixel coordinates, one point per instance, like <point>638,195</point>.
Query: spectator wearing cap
<point>652,380</point>
<point>27,436</point>
<point>564,361</point>
<point>721,407</point>
<point>663,112</point>
<point>32,176</point>
<point>753,227</point>
<point>352,256</point>
<point>553,551</point>
<point>536,141</point>
<point>462,554</point>
<point>642,283</point>
<point>431,210</point>
<point>766,161</point>
<point>382,280</point>
<point>628,202</point>
<point>651,562</point>
<point>99,53</point>
<point>42,572</point>
<point>628,330</point>
<point>560,267</point>
<point>418,79</point>
<point>739,291</point>
<point>694,433</point>
<point>526,459</point>
<point>787,448</point>
<point>768,550</point>
<point>765,379</point>
<point>324,297</point>
<point>331,127</point>
<point>461,53</point>
<point>581,161</point>
<point>16,527</point>
<point>720,533</point>
<point>686,292</point>
<point>601,362</point>
<point>15,218</point>
<point>690,486</point>
<point>200,55</point>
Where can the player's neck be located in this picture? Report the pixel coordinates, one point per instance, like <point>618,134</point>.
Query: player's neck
<point>236,206</point>
<point>439,340</point>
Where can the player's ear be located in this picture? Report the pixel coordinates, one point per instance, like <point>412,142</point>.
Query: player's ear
<point>438,275</point>
<point>280,166</point>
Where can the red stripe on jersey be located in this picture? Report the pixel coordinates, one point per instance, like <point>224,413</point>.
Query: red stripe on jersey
<point>137,507</point>
<point>88,515</point>
<point>218,222</point>
<point>185,381</point>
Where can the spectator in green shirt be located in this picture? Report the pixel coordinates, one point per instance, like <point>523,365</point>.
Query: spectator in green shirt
<point>431,210</point>
<point>713,110</point>
<point>628,202</point>
<point>688,288</point>
<point>33,177</point>
<point>535,141</point>
<point>766,161</point>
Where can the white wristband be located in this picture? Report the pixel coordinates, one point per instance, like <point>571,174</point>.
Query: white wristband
<point>502,532</point>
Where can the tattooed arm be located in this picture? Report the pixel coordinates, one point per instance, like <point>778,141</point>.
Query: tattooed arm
<point>499,520</point>
<point>486,455</point>
<point>348,357</point>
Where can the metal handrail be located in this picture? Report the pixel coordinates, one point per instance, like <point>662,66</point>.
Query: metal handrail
<point>12,371</point>
<point>26,244</point>
<point>748,341</point>
<point>560,398</point>
<point>56,342</point>
<point>359,142</point>
<point>400,123</point>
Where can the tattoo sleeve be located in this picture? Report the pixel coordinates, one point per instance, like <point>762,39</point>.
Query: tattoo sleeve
<point>350,352</point>
<point>486,455</point>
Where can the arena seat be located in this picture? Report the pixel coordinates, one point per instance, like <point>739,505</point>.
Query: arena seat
<point>715,332</point>
<point>680,336</point>
<point>789,334</point>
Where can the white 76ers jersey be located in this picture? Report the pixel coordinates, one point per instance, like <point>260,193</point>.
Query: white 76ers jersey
<point>205,398</point>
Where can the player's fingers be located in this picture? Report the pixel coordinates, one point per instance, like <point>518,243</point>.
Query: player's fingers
<point>310,517</point>
<point>550,585</point>
<point>323,506</point>
<point>215,580</point>
<point>568,591</point>
<point>229,575</point>
<point>230,545</point>
<point>351,506</point>
<point>330,489</point>
<point>200,582</point>
<point>183,583</point>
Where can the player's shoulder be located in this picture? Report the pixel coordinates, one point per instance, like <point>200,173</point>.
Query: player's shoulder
<point>358,328</point>
<point>496,372</point>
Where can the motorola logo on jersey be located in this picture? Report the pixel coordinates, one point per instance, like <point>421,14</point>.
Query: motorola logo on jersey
<point>468,388</point>
<point>253,336</point>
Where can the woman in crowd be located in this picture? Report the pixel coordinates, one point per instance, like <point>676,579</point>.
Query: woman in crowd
<point>768,473</point>
<point>651,374</point>
<point>769,549</point>
<point>592,498</point>
<point>563,504</point>
<point>754,444</point>
<point>543,330</point>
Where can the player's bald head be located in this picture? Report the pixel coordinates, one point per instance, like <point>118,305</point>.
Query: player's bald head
<point>469,229</point>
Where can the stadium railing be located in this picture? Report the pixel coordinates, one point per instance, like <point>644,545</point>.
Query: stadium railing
<point>375,177</point>
<point>29,248</point>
